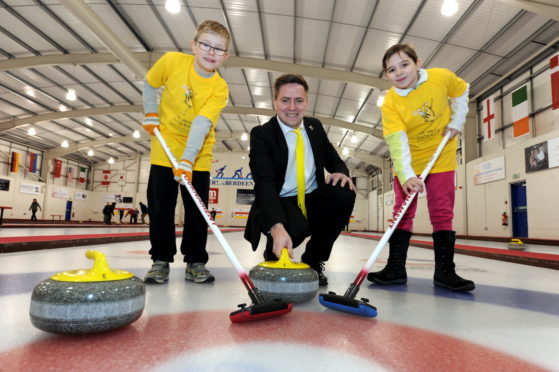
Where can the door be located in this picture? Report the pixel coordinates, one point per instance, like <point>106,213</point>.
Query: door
<point>519,210</point>
<point>68,210</point>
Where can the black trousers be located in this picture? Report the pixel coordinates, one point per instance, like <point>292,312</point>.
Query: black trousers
<point>328,210</point>
<point>34,215</point>
<point>162,196</point>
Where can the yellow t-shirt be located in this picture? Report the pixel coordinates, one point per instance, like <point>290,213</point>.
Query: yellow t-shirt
<point>422,115</point>
<point>186,95</point>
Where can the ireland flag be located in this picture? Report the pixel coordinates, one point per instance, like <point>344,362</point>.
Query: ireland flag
<point>520,111</point>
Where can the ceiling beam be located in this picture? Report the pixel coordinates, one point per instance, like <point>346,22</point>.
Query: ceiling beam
<point>148,58</point>
<point>376,161</point>
<point>15,123</point>
<point>546,8</point>
<point>85,14</point>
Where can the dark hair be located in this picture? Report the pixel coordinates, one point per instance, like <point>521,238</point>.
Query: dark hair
<point>289,79</point>
<point>397,49</point>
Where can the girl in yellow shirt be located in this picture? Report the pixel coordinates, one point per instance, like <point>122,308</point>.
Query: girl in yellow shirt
<point>417,112</point>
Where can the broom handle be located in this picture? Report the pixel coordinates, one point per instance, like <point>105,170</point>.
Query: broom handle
<point>398,216</point>
<point>207,216</point>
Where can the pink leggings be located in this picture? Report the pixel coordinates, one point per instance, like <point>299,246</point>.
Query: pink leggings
<point>440,201</point>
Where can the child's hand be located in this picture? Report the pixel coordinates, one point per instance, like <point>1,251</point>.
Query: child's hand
<point>453,132</point>
<point>151,121</point>
<point>411,185</point>
<point>185,167</point>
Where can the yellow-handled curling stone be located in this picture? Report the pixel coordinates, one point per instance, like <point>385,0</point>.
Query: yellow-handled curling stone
<point>87,300</point>
<point>286,280</point>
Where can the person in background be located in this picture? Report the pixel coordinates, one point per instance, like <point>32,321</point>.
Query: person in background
<point>420,108</point>
<point>34,208</point>
<point>192,100</point>
<point>133,213</point>
<point>145,212</point>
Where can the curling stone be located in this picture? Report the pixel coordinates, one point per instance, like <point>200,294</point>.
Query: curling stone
<point>516,245</point>
<point>285,280</point>
<point>87,301</point>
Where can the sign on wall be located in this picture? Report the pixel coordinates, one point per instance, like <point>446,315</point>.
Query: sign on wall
<point>80,195</point>
<point>29,188</point>
<point>4,185</point>
<point>213,196</point>
<point>536,157</point>
<point>489,171</point>
<point>58,192</point>
<point>542,155</point>
<point>553,151</point>
<point>245,196</point>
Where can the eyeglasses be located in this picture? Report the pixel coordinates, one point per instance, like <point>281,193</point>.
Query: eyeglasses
<point>208,48</point>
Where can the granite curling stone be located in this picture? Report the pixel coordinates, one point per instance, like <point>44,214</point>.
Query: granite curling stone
<point>285,280</point>
<point>87,301</point>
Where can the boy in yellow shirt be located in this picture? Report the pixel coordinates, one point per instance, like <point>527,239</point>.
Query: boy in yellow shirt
<point>418,110</point>
<point>186,116</point>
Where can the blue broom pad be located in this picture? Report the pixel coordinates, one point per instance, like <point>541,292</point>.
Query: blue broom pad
<point>347,305</point>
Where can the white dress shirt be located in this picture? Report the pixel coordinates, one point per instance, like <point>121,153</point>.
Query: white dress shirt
<point>290,184</point>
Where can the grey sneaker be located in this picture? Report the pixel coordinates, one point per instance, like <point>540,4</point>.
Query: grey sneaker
<point>198,273</point>
<point>159,273</point>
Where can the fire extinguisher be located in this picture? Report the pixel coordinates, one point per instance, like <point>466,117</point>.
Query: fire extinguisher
<point>504,219</point>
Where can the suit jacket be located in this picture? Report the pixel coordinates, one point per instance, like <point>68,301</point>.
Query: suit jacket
<point>268,164</point>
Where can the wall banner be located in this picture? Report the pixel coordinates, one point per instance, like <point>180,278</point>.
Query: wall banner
<point>29,188</point>
<point>489,171</point>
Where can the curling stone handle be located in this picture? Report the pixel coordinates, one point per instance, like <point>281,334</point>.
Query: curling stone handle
<point>100,264</point>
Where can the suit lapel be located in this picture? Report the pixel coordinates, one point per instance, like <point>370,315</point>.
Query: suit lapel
<point>283,151</point>
<point>314,139</point>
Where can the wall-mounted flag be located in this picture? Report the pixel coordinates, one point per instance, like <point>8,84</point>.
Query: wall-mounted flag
<point>554,72</point>
<point>57,168</point>
<point>69,176</point>
<point>14,163</point>
<point>106,180</point>
<point>488,118</point>
<point>520,111</point>
<point>32,162</point>
<point>83,175</point>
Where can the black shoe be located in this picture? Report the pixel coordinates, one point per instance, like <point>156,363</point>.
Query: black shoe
<point>319,268</point>
<point>454,282</point>
<point>391,274</point>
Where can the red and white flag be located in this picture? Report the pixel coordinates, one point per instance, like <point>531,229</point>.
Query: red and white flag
<point>488,121</point>
<point>554,73</point>
<point>57,168</point>
<point>69,176</point>
<point>106,180</point>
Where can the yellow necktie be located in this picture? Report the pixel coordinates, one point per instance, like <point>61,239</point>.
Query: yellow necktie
<point>300,160</point>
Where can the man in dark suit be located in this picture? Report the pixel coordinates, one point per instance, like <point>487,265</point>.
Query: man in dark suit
<point>287,207</point>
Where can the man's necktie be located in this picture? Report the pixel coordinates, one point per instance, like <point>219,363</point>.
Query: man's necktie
<point>300,160</point>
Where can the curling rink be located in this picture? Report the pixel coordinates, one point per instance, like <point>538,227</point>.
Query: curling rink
<point>510,322</point>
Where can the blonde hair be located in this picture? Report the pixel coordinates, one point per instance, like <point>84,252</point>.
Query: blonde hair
<point>212,27</point>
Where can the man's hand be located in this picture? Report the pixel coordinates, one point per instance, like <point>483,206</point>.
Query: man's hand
<point>413,184</point>
<point>151,121</point>
<point>281,240</point>
<point>185,167</point>
<point>342,178</point>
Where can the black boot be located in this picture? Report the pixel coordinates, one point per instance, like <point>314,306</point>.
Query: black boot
<point>445,276</point>
<point>395,270</point>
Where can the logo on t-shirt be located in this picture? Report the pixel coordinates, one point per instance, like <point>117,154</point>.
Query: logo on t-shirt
<point>187,96</point>
<point>426,111</point>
